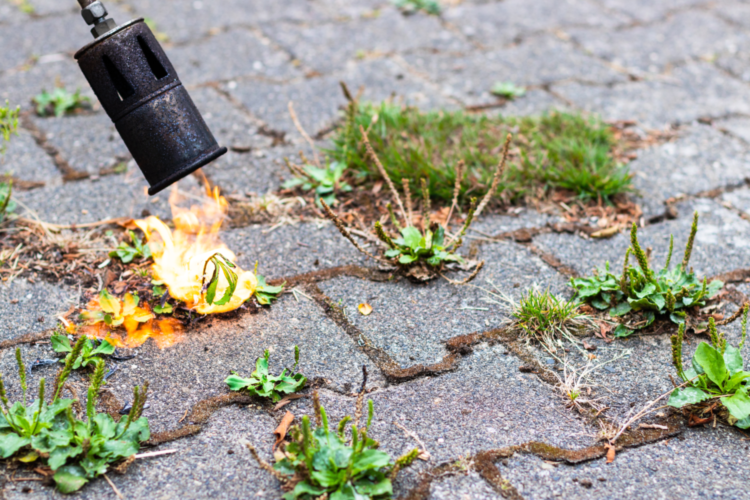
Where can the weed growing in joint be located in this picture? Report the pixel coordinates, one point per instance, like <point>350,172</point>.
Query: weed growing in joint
<point>265,385</point>
<point>59,102</point>
<point>89,355</point>
<point>642,295</point>
<point>716,374</point>
<point>414,6</point>
<point>545,317</point>
<point>319,462</point>
<point>422,254</point>
<point>323,181</point>
<point>561,151</point>
<point>49,433</point>
<point>126,253</point>
<point>8,123</point>
<point>508,90</point>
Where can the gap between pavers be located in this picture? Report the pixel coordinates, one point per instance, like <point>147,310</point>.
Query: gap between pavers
<point>700,463</point>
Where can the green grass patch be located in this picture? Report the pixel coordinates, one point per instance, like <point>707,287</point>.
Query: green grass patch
<point>554,151</point>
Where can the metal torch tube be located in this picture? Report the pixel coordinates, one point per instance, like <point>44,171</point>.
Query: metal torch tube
<point>85,3</point>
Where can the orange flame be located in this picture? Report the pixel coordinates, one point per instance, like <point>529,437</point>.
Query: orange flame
<point>180,256</point>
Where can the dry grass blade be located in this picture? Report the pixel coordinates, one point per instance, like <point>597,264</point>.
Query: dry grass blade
<point>263,464</point>
<point>382,171</point>
<point>496,178</point>
<point>456,191</point>
<point>467,280</point>
<point>304,134</point>
<point>114,488</point>
<point>409,207</point>
<point>344,231</point>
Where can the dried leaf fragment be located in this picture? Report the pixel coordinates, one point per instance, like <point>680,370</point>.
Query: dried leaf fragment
<point>610,454</point>
<point>364,309</point>
<point>282,429</point>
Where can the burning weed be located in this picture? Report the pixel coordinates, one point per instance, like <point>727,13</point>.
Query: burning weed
<point>422,254</point>
<point>49,433</point>
<point>107,316</point>
<point>264,385</point>
<point>642,294</point>
<point>351,468</point>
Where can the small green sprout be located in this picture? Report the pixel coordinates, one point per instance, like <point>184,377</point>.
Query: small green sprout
<point>265,293</point>
<point>413,6</point>
<point>508,90</point>
<point>8,123</point>
<point>264,385</point>
<point>59,102</point>
<point>126,253</point>
<point>325,181</point>
<point>89,354</point>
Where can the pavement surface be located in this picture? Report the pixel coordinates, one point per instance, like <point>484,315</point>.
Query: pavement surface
<point>670,65</point>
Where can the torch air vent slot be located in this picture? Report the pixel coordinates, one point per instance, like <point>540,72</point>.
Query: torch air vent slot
<point>124,89</point>
<point>156,67</point>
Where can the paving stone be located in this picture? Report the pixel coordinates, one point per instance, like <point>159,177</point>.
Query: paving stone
<point>51,35</point>
<point>290,250</point>
<point>341,9</point>
<point>23,304</point>
<point>195,369</point>
<point>327,47</point>
<point>470,486</point>
<point>19,86</point>
<point>231,54</point>
<point>411,322</point>
<point>231,126</point>
<point>700,160</point>
<point>654,48</point>
<point>11,14</point>
<point>534,102</point>
<point>690,92</point>
<point>186,20</point>
<point>537,61</point>
<point>737,13</point>
<point>260,171</point>
<point>47,7</point>
<point>107,197</point>
<point>203,466</point>
<point>737,126</point>
<point>646,11</point>
<point>721,244</point>
<point>715,461</point>
<point>738,199</point>
<point>517,218</point>
<point>485,404</point>
<point>494,24</point>
<point>88,142</point>
<point>317,100</point>
<point>24,160</point>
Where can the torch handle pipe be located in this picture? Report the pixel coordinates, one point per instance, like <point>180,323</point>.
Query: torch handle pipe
<point>85,3</point>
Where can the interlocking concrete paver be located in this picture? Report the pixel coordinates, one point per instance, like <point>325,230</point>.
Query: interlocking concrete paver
<point>654,48</point>
<point>704,463</point>
<point>540,60</point>
<point>699,160</point>
<point>183,20</point>
<point>20,85</point>
<point>31,307</point>
<point>250,56</point>
<point>688,93</point>
<point>494,24</point>
<point>317,100</point>
<point>646,11</point>
<point>411,322</point>
<point>327,47</point>
<point>25,160</point>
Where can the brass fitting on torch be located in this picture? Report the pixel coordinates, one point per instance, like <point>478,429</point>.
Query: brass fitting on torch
<point>94,13</point>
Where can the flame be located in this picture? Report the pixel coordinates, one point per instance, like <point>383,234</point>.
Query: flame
<point>180,256</point>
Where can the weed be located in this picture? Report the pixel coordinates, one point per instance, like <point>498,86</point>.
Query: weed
<point>323,463</point>
<point>716,373</point>
<point>7,205</point>
<point>265,293</point>
<point>422,255</point>
<point>265,385</point>
<point>89,354</point>
<point>76,450</point>
<point>24,6</point>
<point>544,316</point>
<point>8,123</point>
<point>562,151</point>
<point>508,90</point>
<point>413,6</point>
<point>59,102</point>
<point>324,181</point>
<point>643,294</point>
<point>225,266</point>
<point>126,253</point>
<point>113,312</point>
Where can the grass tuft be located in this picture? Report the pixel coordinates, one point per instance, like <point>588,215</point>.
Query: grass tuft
<point>555,151</point>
